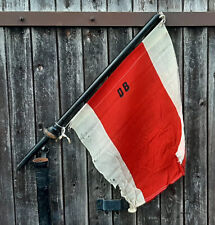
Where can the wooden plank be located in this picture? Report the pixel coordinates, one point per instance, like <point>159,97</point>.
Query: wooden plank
<point>118,38</point>
<point>103,19</point>
<point>47,103</point>
<point>21,116</point>
<point>71,86</point>
<point>95,60</point>
<point>211,128</point>
<point>149,213</point>
<point>7,214</point>
<point>211,121</point>
<point>195,114</point>
<point>172,198</point>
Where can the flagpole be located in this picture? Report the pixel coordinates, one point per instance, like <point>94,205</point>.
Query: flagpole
<point>57,130</point>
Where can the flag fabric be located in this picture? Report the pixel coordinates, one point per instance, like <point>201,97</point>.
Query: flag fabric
<point>133,125</point>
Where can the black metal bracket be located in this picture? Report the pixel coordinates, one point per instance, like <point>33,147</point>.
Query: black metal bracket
<point>112,205</point>
<point>42,181</point>
<point>44,152</point>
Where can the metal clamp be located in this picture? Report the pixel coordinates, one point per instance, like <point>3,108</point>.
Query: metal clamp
<point>112,205</point>
<point>52,132</point>
<point>44,152</point>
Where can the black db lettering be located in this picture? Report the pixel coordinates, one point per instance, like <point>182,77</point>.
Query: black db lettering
<point>120,92</point>
<point>125,86</point>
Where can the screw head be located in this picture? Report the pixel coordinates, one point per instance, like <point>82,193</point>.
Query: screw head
<point>21,19</point>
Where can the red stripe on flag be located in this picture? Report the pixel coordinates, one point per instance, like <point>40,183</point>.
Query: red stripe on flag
<point>143,123</point>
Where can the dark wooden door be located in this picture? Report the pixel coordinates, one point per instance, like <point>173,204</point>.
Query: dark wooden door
<point>43,71</point>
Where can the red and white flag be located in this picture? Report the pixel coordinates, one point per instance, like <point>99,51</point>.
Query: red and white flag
<point>133,125</point>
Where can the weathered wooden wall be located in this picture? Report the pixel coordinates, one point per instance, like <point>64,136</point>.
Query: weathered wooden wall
<point>43,71</point>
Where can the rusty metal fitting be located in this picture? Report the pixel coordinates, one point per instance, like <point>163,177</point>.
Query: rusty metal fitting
<point>49,134</point>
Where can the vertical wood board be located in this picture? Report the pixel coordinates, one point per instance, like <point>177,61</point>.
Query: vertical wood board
<point>172,197</point>
<point>195,115</point>
<point>71,87</point>
<point>95,61</point>
<point>18,53</point>
<point>211,121</point>
<point>45,69</point>
<point>7,214</point>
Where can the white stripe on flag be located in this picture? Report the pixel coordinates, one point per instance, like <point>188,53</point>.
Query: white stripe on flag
<point>105,156</point>
<point>160,49</point>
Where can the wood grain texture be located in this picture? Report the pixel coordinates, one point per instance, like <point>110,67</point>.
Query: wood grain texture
<point>7,214</point>
<point>211,121</point>
<point>71,86</point>
<point>211,128</point>
<point>95,61</point>
<point>172,198</point>
<point>81,55</point>
<point>118,38</point>
<point>145,5</point>
<point>195,114</point>
<point>45,68</point>
<point>20,82</point>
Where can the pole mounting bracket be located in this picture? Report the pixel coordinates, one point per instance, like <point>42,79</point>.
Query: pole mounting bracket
<point>112,205</point>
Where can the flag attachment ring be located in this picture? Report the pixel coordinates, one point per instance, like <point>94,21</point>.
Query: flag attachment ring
<point>62,134</point>
<point>163,17</point>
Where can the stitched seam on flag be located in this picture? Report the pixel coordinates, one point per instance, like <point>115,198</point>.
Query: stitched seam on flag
<point>120,80</point>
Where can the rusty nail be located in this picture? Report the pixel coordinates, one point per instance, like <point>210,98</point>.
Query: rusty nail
<point>21,19</point>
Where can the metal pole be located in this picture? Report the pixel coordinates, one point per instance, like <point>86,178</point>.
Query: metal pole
<point>67,116</point>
